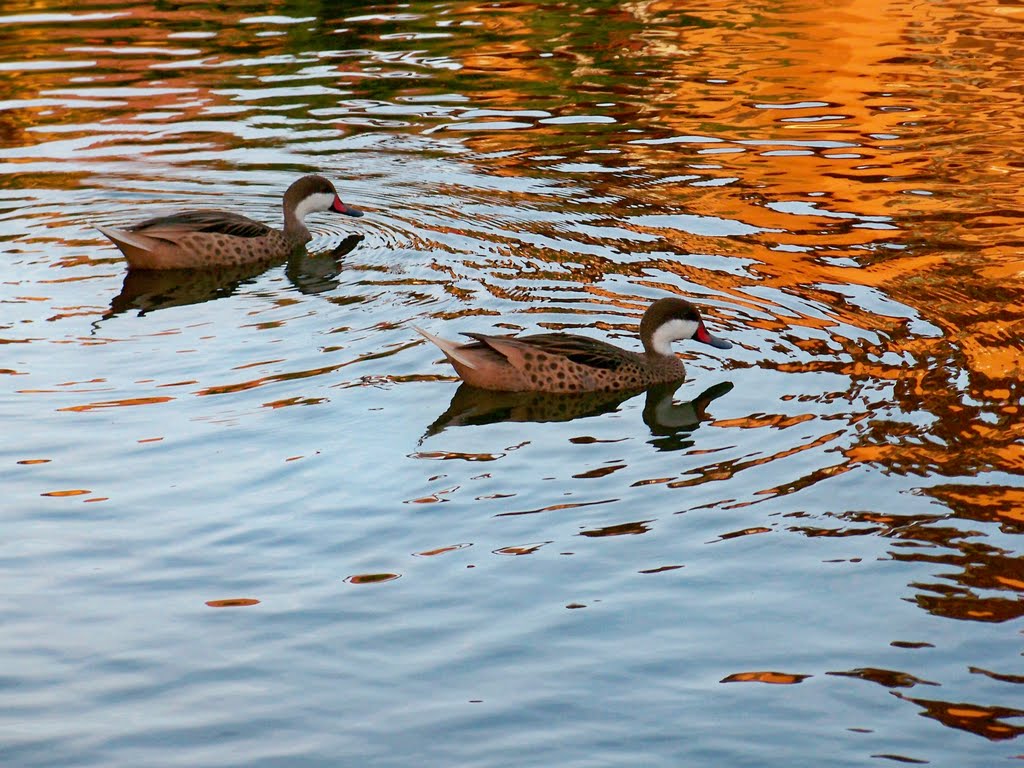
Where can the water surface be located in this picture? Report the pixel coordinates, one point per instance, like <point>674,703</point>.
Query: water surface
<point>251,519</point>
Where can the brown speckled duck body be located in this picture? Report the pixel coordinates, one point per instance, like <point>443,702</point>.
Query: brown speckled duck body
<point>561,362</point>
<point>204,239</point>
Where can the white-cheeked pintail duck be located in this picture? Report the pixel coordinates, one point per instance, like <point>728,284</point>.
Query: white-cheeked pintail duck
<point>564,363</point>
<point>202,239</point>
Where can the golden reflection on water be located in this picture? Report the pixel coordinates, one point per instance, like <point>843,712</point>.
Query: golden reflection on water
<point>772,678</point>
<point>443,550</point>
<point>371,578</point>
<point>842,183</point>
<point>852,153</point>
<point>885,677</point>
<point>836,151</point>
<point>833,148</point>
<point>233,602</point>
<point>980,720</point>
<point>522,549</point>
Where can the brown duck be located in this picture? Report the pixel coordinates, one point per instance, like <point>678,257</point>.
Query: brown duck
<point>562,362</point>
<point>200,239</point>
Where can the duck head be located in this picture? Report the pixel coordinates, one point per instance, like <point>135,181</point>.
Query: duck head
<point>311,194</point>
<point>668,320</point>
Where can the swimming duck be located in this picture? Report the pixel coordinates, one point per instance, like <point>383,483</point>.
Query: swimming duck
<point>562,362</point>
<point>196,239</point>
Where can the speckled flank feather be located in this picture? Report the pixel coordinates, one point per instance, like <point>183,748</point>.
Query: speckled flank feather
<point>176,249</point>
<point>566,363</point>
<point>207,239</point>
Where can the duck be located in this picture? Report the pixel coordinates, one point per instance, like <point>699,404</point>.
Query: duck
<point>566,363</point>
<point>212,239</point>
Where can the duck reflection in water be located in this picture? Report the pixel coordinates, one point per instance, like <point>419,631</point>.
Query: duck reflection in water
<point>671,422</point>
<point>149,290</point>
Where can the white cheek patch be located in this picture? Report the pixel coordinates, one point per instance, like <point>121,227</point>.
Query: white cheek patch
<point>321,201</point>
<point>673,330</point>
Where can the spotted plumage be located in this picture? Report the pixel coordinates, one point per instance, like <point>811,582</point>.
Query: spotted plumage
<point>561,362</point>
<point>202,239</point>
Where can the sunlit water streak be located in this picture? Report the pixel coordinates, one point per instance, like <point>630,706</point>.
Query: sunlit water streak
<point>254,521</point>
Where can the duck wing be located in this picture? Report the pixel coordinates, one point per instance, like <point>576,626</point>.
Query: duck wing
<point>220,222</point>
<point>579,349</point>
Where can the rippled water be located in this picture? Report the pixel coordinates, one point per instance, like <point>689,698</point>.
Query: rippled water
<point>250,520</point>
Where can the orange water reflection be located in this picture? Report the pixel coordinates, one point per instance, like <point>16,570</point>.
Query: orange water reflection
<point>873,146</point>
<point>772,678</point>
<point>844,183</point>
<point>981,720</point>
<point>851,163</point>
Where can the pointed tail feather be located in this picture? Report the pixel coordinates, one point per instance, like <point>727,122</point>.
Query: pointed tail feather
<point>138,249</point>
<point>452,350</point>
<point>119,236</point>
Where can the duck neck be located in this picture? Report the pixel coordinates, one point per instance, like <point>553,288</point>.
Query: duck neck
<point>661,360</point>
<point>294,228</point>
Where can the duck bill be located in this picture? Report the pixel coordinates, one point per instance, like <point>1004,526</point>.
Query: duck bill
<point>704,337</point>
<point>348,210</point>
